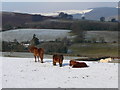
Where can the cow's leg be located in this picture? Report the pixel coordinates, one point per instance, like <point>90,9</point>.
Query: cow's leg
<point>60,63</point>
<point>41,57</point>
<point>38,58</point>
<point>35,58</point>
<point>54,63</point>
<point>42,60</point>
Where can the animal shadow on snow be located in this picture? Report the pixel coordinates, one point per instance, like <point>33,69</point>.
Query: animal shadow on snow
<point>57,64</point>
<point>65,64</point>
<point>48,61</point>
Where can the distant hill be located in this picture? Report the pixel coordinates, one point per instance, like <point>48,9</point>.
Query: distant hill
<point>19,19</point>
<point>13,20</point>
<point>16,18</point>
<point>96,13</point>
<point>90,14</point>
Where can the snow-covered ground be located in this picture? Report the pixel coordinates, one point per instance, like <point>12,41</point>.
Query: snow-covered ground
<point>25,73</point>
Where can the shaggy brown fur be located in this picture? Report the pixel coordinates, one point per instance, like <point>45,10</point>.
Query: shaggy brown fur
<point>37,52</point>
<point>76,64</point>
<point>58,59</point>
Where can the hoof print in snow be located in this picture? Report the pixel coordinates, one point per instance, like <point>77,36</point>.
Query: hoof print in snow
<point>87,76</point>
<point>83,77</point>
<point>44,78</point>
<point>75,77</point>
<point>110,77</point>
<point>5,75</point>
<point>65,82</point>
<point>21,71</point>
<point>34,70</point>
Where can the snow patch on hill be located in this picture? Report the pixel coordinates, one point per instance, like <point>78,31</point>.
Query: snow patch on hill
<point>65,11</point>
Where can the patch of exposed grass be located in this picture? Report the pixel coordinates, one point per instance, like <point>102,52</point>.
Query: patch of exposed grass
<point>10,56</point>
<point>95,49</point>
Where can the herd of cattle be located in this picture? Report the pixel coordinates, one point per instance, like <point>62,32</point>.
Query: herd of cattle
<point>39,53</point>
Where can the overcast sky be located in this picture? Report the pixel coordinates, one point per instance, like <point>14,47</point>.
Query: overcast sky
<point>43,7</point>
<point>60,0</point>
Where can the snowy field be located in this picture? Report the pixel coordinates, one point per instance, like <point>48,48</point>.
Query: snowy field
<point>52,34</point>
<point>25,73</point>
<point>27,34</point>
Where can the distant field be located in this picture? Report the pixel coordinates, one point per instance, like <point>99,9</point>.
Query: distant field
<point>109,36</point>
<point>52,34</point>
<point>30,55</point>
<point>97,49</point>
<point>27,34</point>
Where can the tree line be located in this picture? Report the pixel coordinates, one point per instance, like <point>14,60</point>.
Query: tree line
<point>57,46</point>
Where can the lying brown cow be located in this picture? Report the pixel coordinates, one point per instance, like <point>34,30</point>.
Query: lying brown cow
<point>76,64</point>
<point>58,59</point>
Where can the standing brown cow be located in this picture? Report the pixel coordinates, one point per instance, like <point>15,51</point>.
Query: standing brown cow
<point>76,64</point>
<point>37,52</point>
<point>58,59</point>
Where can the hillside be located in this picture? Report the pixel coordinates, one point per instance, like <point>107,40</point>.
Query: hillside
<point>95,49</point>
<point>96,13</point>
<point>90,13</point>
<point>108,36</point>
<point>11,20</point>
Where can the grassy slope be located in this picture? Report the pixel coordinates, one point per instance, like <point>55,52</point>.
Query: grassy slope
<point>95,49</point>
<point>109,36</point>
